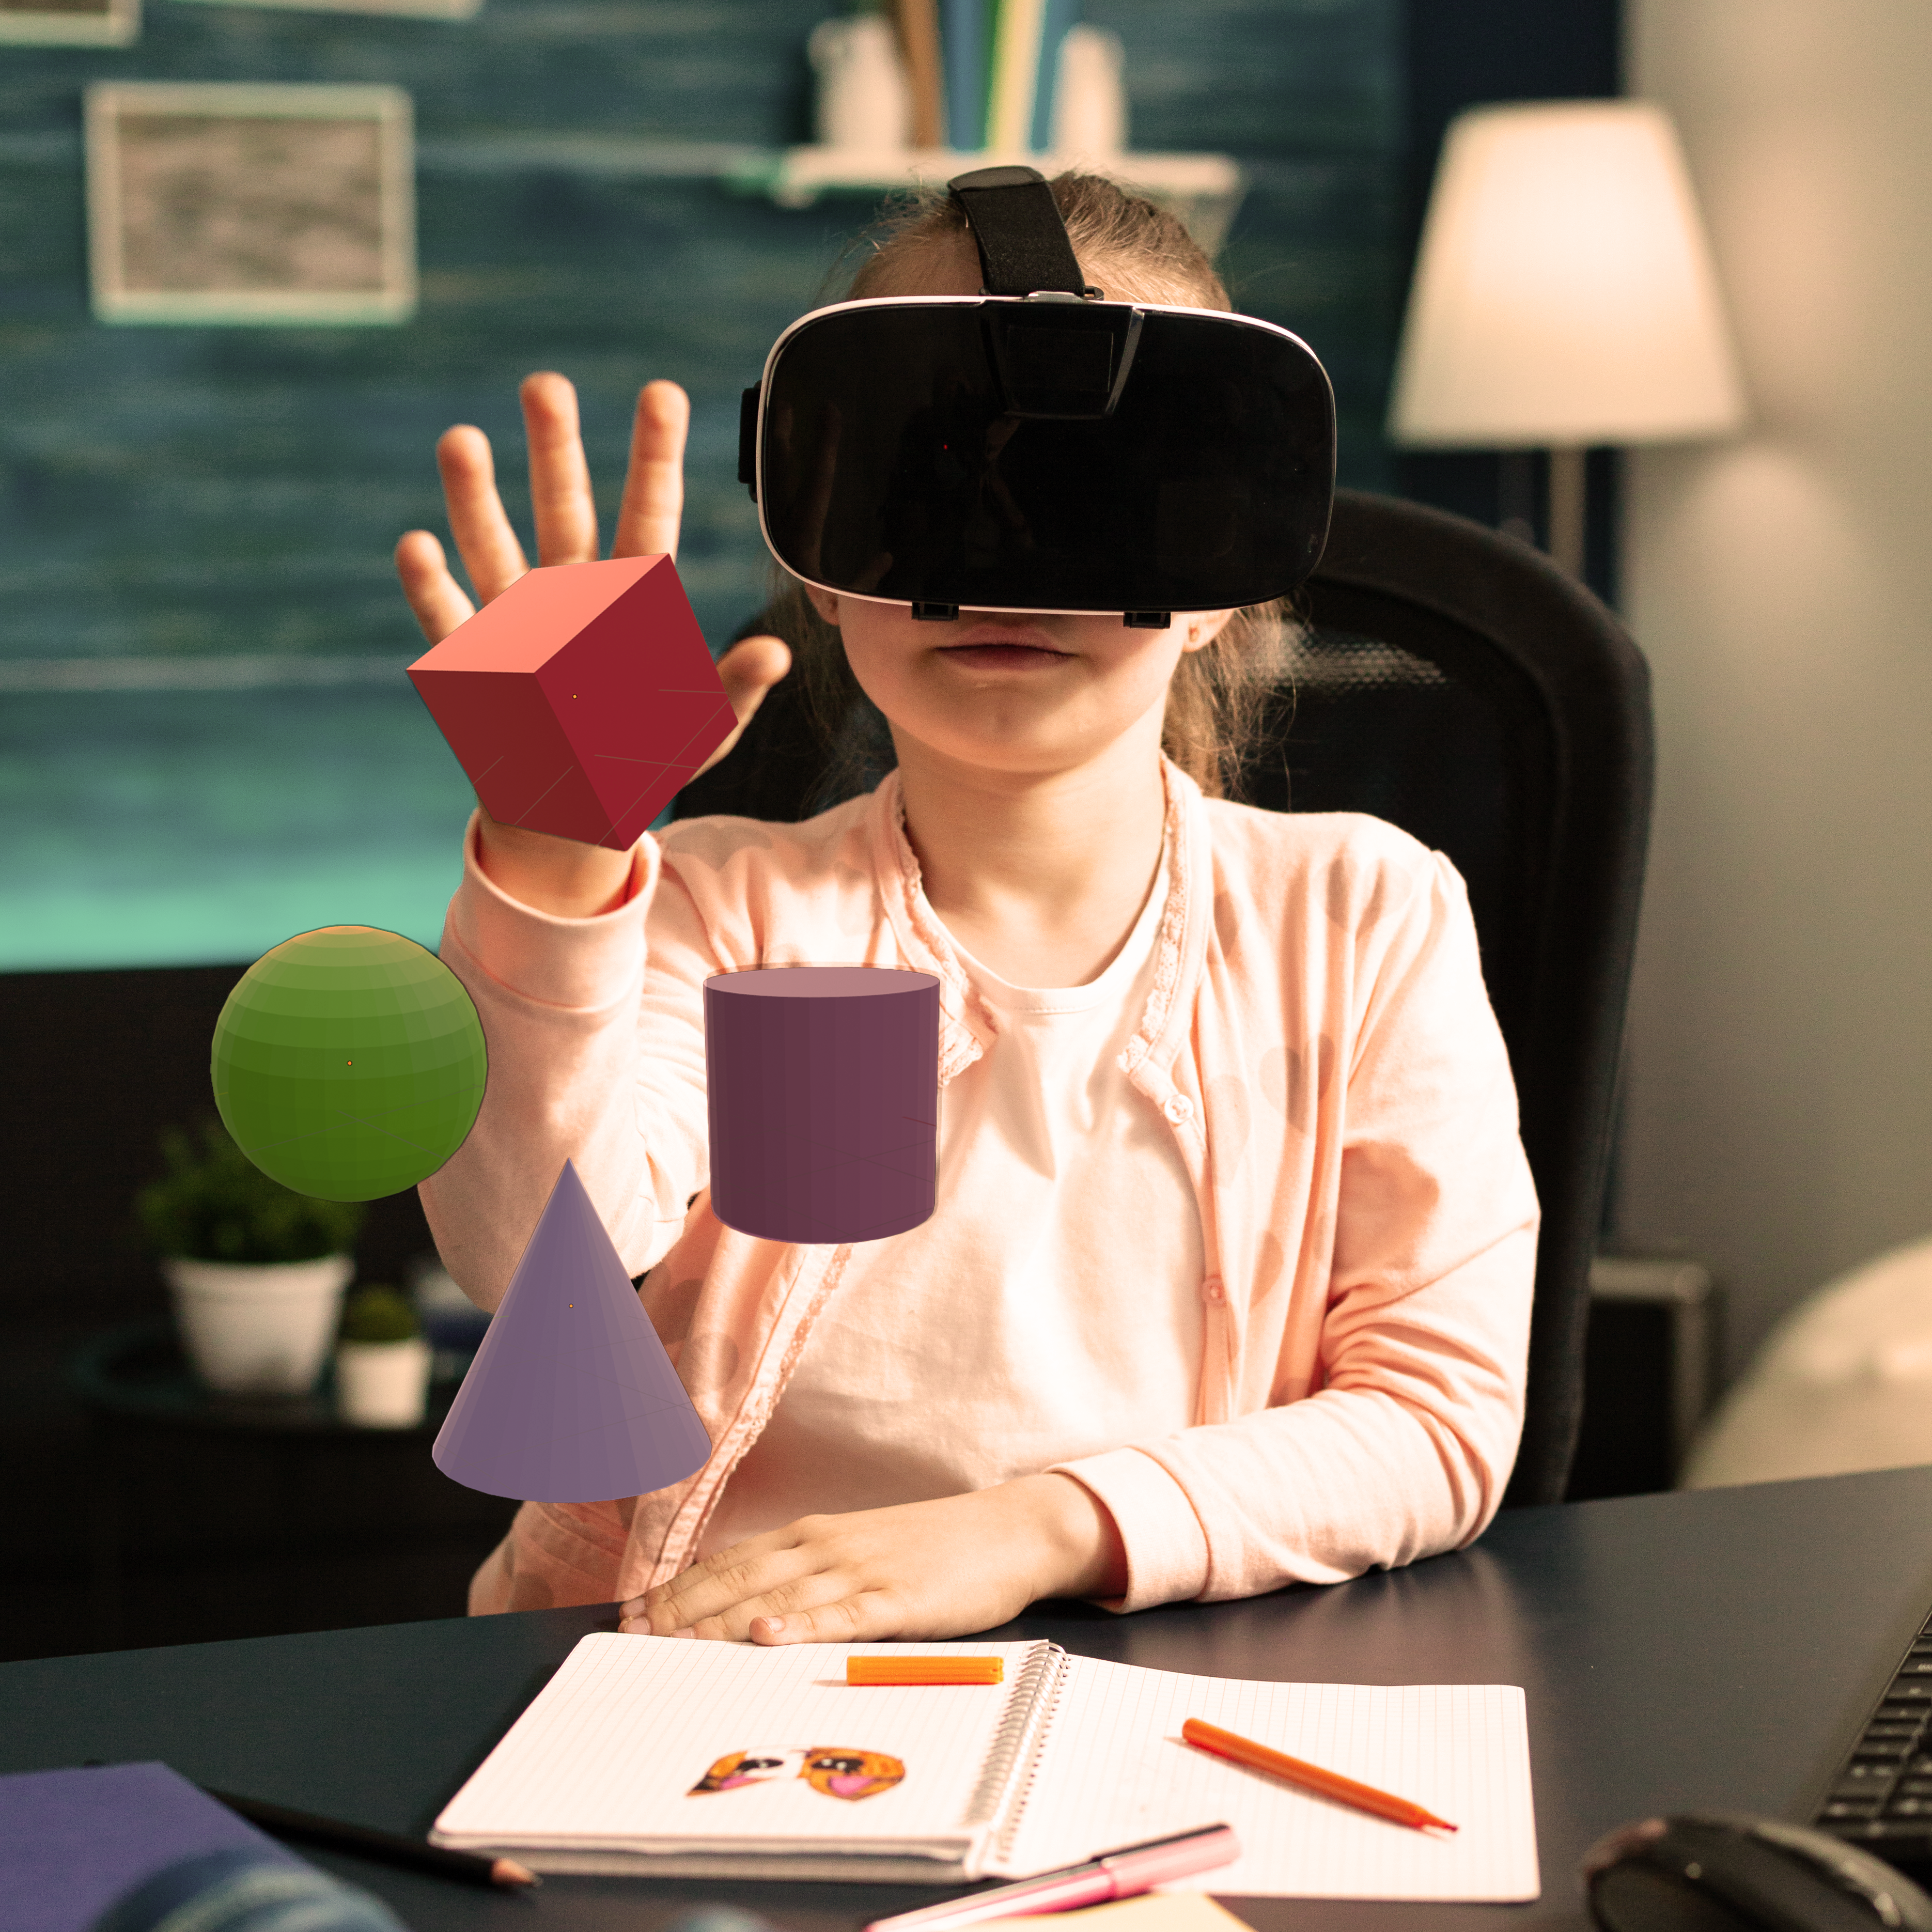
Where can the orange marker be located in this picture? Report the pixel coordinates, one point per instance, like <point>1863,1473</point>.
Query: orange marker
<point>1310,1777</point>
<point>924,1670</point>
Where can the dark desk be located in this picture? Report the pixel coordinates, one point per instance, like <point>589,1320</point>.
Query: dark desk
<point>1707,1649</point>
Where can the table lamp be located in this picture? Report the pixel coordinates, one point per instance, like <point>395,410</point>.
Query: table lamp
<point>1564,296</point>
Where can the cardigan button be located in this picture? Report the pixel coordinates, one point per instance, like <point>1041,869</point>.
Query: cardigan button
<point>1180,1110</point>
<point>1212,1290</point>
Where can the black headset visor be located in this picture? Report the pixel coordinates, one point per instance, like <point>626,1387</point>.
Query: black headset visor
<point>1042,453</point>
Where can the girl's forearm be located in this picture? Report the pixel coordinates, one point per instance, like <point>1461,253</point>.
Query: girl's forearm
<point>557,876</point>
<point>1081,1552</point>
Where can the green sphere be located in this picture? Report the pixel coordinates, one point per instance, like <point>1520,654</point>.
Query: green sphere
<point>349,1063</point>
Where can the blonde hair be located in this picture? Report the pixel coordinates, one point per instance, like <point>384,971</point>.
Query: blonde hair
<point>1218,697</point>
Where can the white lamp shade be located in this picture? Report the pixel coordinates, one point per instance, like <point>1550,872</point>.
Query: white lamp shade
<point>1564,294</point>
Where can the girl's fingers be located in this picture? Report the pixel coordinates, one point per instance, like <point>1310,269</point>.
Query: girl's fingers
<point>747,670</point>
<point>647,519</point>
<point>826,1606</point>
<point>871,1617</point>
<point>746,1573</point>
<point>434,596</point>
<point>750,668</point>
<point>560,497</point>
<point>488,546</point>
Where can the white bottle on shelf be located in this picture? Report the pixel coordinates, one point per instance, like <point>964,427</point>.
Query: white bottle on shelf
<point>864,99</point>
<point>1090,102</point>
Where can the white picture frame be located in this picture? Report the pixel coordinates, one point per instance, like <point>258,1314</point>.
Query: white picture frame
<point>70,23</point>
<point>425,9</point>
<point>251,203</point>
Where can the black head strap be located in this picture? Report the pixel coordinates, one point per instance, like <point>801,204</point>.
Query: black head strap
<point>1021,239</point>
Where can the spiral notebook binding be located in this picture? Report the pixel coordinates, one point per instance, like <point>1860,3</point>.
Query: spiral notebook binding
<point>1013,1757</point>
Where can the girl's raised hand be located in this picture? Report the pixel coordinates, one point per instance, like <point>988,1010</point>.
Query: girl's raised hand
<point>575,880</point>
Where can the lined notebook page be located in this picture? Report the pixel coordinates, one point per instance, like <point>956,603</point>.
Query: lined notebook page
<point>1114,1771</point>
<point>606,1755</point>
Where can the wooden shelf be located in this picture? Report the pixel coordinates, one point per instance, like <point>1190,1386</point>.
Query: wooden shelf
<point>1203,189</point>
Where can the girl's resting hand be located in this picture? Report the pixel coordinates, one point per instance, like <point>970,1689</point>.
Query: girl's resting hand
<point>560,875</point>
<point>940,1569</point>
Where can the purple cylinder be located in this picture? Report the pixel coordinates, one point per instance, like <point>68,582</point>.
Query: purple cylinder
<point>823,1089</point>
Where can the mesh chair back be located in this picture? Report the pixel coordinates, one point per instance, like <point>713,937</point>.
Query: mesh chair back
<point>1461,686</point>
<point>1456,683</point>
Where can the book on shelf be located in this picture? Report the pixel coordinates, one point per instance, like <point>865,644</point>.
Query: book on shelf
<point>964,28</point>
<point>1057,16</point>
<point>982,74</point>
<point>1015,70</point>
<point>1027,39</point>
<point>918,24</point>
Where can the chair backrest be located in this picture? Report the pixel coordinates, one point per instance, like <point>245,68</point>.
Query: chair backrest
<point>1457,683</point>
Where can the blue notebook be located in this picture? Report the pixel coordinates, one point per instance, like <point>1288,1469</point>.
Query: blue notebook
<point>72,1842</point>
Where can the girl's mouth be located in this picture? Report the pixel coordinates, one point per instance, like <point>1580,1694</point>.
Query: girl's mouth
<point>1002,657</point>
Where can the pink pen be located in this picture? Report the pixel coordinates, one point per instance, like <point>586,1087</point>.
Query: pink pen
<point>1134,1868</point>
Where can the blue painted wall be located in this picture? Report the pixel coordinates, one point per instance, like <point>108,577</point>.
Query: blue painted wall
<point>203,493</point>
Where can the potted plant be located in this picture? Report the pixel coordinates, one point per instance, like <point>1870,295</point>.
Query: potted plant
<point>382,1361</point>
<point>256,1270</point>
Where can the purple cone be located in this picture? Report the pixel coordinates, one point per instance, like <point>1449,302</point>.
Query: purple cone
<point>571,1398</point>
<point>823,1087</point>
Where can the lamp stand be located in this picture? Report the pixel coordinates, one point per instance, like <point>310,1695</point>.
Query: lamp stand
<point>1566,508</point>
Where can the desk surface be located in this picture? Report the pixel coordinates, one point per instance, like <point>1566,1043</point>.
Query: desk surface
<point>1713,1649</point>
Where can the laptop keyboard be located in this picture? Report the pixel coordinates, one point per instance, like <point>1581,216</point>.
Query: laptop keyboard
<point>1882,1796</point>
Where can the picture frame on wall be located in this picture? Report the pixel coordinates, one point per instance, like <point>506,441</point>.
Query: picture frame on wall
<point>251,203</point>
<point>70,23</point>
<point>426,10</point>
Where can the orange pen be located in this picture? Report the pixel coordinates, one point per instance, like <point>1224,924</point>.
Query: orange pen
<point>1310,1777</point>
<point>924,1670</point>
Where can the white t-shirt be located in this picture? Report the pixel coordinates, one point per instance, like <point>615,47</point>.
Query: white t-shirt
<point>1075,1327</point>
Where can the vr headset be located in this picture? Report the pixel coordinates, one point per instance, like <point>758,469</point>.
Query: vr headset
<point>1037,448</point>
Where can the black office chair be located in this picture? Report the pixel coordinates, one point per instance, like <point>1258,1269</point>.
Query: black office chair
<point>1457,683</point>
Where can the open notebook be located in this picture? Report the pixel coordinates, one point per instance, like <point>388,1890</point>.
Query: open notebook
<point>668,1755</point>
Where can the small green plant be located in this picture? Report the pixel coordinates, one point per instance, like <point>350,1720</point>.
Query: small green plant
<point>379,1314</point>
<point>214,1204</point>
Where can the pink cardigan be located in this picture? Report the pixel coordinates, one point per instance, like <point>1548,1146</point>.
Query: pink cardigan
<point>1318,1040</point>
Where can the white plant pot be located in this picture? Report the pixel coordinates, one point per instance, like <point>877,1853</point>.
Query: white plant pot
<point>383,1384</point>
<point>254,1329</point>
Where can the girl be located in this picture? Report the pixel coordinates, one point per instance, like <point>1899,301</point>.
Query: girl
<point>1227,1285</point>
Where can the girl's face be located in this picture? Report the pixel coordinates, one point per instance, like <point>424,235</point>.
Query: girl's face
<point>1019,694</point>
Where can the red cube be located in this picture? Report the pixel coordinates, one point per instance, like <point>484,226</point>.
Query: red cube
<point>579,700</point>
